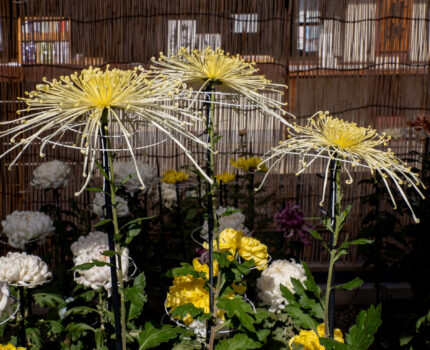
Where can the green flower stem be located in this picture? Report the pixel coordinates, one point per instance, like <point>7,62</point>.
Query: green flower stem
<point>118,252</point>
<point>214,328</point>
<point>118,297</point>
<point>336,197</point>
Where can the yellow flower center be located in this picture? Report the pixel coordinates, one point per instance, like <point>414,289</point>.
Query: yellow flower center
<point>339,133</point>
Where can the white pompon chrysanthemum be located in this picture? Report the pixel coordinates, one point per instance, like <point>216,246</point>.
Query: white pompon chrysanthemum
<point>122,170</point>
<point>51,175</point>
<point>83,101</point>
<point>23,270</point>
<point>90,248</point>
<point>98,203</point>
<point>331,138</point>
<point>279,272</point>
<point>21,227</point>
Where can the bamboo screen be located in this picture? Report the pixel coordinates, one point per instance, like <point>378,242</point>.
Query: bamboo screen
<point>364,60</point>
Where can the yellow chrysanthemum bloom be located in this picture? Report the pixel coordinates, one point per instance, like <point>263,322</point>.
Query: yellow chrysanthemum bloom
<point>173,177</point>
<point>334,139</point>
<point>11,347</point>
<point>205,268</point>
<point>247,164</point>
<point>126,99</point>
<point>187,289</point>
<point>248,248</point>
<point>225,178</point>
<point>230,73</point>
<point>310,340</point>
<point>251,248</point>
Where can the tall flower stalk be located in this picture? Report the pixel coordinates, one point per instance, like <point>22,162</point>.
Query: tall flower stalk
<point>342,143</point>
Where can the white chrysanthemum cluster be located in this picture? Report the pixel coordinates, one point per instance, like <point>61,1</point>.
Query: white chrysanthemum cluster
<point>23,226</point>
<point>99,201</point>
<point>235,221</point>
<point>5,299</point>
<point>24,270</point>
<point>54,174</point>
<point>122,170</point>
<point>168,193</point>
<point>89,248</point>
<point>279,272</point>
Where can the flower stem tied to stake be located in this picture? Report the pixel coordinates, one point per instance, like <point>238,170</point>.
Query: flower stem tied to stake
<point>210,97</point>
<point>110,229</point>
<point>335,197</point>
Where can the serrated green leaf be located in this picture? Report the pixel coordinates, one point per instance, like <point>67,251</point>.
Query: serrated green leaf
<point>76,329</point>
<point>185,269</point>
<point>315,234</point>
<point>137,299</point>
<point>151,337</point>
<point>298,286</point>
<point>331,344</point>
<point>102,222</point>
<point>34,337</point>
<point>48,299</point>
<point>301,319</point>
<point>287,294</point>
<point>239,308</point>
<point>222,259</point>
<point>263,334</point>
<point>80,310</point>
<point>238,342</point>
<point>310,281</point>
<point>355,283</point>
<point>191,214</point>
<point>184,310</point>
<point>361,334</point>
<point>108,253</point>
<point>314,307</point>
<point>131,234</point>
<point>94,189</point>
<point>361,241</point>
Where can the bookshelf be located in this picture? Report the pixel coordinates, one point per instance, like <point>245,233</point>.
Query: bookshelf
<point>44,40</point>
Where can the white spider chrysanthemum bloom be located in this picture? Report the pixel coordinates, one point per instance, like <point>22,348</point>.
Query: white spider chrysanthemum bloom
<point>229,73</point>
<point>23,270</point>
<point>90,248</point>
<point>334,139</point>
<point>234,220</point>
<point>124,169</point>
<point>20,227</point>
<point>279,272</point>
<point>5,299</point>
<point>99,202</point>
<point>81,100</point>
<point>54,174</point>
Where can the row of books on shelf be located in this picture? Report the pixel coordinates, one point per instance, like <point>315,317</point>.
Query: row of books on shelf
<point>57,52</point>
<point>45,30</point>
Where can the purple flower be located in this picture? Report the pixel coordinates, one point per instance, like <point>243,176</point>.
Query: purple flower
<point>292,221</point>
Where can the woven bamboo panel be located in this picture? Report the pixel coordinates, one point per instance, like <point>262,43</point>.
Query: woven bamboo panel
<point>365,61</point>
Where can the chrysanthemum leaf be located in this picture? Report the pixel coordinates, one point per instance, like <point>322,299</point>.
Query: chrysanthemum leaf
<point>238,342</point>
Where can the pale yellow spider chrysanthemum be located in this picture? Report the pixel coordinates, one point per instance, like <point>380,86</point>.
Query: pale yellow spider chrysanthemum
<point>228,72</point>
<point>334,139</point>
<point>78,101</point>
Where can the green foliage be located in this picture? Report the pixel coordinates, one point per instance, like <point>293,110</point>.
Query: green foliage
<point>185,310</point>
<point>305,305</point>
<point>152,337</point>
<point>360,335</point>
<point>185,269</point>
<point>238,342</point>
<point>237,307</point>
<point>136,296</point>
